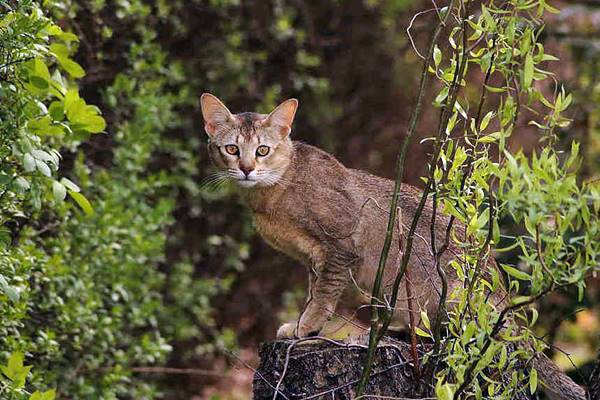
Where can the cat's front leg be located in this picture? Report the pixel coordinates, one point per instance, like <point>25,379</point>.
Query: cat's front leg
<point>324,293</point>
<point>289,330</point>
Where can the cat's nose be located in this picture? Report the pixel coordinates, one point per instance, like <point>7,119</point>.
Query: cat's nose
<point>246,170</point>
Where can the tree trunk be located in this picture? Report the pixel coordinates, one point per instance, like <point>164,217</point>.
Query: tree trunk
<point>326,370</point>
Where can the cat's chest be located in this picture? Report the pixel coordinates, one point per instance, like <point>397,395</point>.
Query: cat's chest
<point>288,237</point>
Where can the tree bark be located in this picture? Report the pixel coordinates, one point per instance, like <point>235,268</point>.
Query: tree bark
<point>326,370</point>
<point>595,382</point>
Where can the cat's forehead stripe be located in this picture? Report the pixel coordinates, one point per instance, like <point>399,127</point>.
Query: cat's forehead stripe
<point>248,122</point>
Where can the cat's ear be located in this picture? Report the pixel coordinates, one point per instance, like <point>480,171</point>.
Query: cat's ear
<point>214,112</point>
<point>283,116</point>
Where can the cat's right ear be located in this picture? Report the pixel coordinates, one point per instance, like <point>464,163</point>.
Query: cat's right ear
<point>214,112</point>
<point>283,116</point>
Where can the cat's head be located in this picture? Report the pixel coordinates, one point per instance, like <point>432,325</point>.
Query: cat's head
<point>249,148</point>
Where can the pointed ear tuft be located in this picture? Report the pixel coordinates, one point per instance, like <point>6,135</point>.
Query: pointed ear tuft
<point>283,116</point>
<point>214,112</point>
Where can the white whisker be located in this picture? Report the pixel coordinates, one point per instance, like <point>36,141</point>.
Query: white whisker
<point>214,181</point>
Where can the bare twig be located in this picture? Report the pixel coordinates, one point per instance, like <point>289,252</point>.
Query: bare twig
<point>412,42</point>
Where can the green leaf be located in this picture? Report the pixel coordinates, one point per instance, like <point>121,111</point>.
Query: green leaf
<point>61,52</point>
<point>70,185</point>
<point>444,392</point>
<point>533,381</point>
<point>73,68</point>
<point>59,191</point>
<point>425,320</point>
<point>43,126</point>
<point>495,231</point>
<point>71,98</point>
<point>43,168</point>
<point>469,332</point>
<point>82,202</point>
<point>15,370</point>
<point>95,124</point>
<point>549,57</point>
<point>22,183</point>
<point>81,115</point>
<point>437,55</point>
<point>56,111</point>
<point>39,82</point>
<point>40,69</point>
<point>503,357</point>
<point>12,294</point>
<point>528,71</point>
<point>495,89</point>
<point>28,162</point>
<point>516,273</point>
<point>534,317</point>
<point>47,395</point>
<point>441,97</point>
<point>421,332</point>
<point>486,120</point>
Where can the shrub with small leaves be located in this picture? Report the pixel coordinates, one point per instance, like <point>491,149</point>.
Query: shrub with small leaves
<point>83,291</point>
<point>478,179</point>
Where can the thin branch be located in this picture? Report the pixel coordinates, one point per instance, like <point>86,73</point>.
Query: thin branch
<point>412,42</point>
<point>411,309</point>
<point>373,336</point>
<point>538,246</point>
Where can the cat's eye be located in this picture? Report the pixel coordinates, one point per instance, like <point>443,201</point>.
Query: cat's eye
<point>232,149</point>
<point>262,151</point>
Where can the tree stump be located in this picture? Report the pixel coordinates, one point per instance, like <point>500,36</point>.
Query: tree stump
<point>321,369</point>
<point>595,382</point>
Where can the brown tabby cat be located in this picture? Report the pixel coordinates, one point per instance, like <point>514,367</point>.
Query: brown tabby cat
<point>332,219</point>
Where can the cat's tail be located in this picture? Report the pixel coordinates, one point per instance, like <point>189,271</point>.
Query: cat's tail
<point>557,385</point>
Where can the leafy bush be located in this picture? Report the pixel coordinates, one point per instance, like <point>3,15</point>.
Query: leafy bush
<point>85,296</point>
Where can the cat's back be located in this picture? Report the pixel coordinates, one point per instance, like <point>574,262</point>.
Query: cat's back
<point>369,186</point>
<point>322,180</point>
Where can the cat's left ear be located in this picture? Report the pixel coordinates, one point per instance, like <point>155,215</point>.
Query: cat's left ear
<point>283,116</point>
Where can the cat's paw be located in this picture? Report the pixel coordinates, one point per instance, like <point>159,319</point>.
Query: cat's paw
<point>287,331</point>
<point>291,330</point>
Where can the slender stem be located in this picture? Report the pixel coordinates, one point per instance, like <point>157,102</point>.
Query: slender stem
<point>376,292</point>
<point>444,119</point>
<point>411,309</point>
<point>438,253</point>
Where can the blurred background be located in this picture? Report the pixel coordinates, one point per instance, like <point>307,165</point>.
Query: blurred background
<point>178,272</point>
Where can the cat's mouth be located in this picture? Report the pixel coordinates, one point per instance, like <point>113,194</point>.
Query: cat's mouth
<point>246,183</point>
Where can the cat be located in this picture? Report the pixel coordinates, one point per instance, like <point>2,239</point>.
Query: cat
<point>333,220</point>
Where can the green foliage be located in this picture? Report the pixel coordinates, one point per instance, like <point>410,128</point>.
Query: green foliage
<point>85,296</point>
<point>479,180</point>
<point>41,108</point>
<point>14,374</point>
<point>40,112</point>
